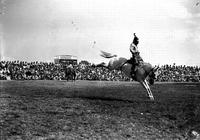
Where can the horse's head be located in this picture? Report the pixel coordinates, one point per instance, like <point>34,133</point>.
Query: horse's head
<point>152,75</point>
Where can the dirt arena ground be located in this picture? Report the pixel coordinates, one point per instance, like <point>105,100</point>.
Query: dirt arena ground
<point>98,110</point>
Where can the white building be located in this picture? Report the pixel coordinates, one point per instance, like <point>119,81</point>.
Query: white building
<point>65,59</point>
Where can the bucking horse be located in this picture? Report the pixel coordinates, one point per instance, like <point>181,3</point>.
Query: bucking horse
<point>143,70</point>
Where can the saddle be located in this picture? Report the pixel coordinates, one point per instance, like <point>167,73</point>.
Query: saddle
<point>136,61</point>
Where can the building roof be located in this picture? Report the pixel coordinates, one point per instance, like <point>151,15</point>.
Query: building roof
<point>65,57</point>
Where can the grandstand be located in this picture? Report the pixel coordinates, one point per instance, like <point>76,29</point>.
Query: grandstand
<point>65,59</point>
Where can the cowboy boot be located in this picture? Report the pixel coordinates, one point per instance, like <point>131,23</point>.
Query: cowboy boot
<point>133,72</point>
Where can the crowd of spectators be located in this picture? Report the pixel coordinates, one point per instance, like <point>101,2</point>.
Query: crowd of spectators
<point>20,70</point>
<point>181,73</point>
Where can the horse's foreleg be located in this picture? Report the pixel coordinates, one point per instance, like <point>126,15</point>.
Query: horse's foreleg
<point>150,93</point>
<point>145,85</point>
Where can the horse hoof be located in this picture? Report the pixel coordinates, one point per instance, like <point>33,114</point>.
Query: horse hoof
<point>151,98</point>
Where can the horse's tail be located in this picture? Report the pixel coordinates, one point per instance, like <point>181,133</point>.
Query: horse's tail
<point>107,55</point>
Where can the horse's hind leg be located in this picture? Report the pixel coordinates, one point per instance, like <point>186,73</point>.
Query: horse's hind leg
<point>102,65</point>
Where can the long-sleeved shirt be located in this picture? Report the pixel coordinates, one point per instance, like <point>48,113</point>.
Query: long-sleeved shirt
<point>133,48</point>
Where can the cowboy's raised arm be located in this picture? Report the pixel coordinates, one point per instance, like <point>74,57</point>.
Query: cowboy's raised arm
<point>133,48</point>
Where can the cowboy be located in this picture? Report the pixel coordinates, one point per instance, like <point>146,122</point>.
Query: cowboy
<point>135,54</point>
<point>70,66</point>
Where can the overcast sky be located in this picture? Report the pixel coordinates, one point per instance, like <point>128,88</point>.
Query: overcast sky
<point>37,30</point>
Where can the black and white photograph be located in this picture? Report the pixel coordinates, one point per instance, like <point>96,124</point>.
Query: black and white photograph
<point>99,69</point>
